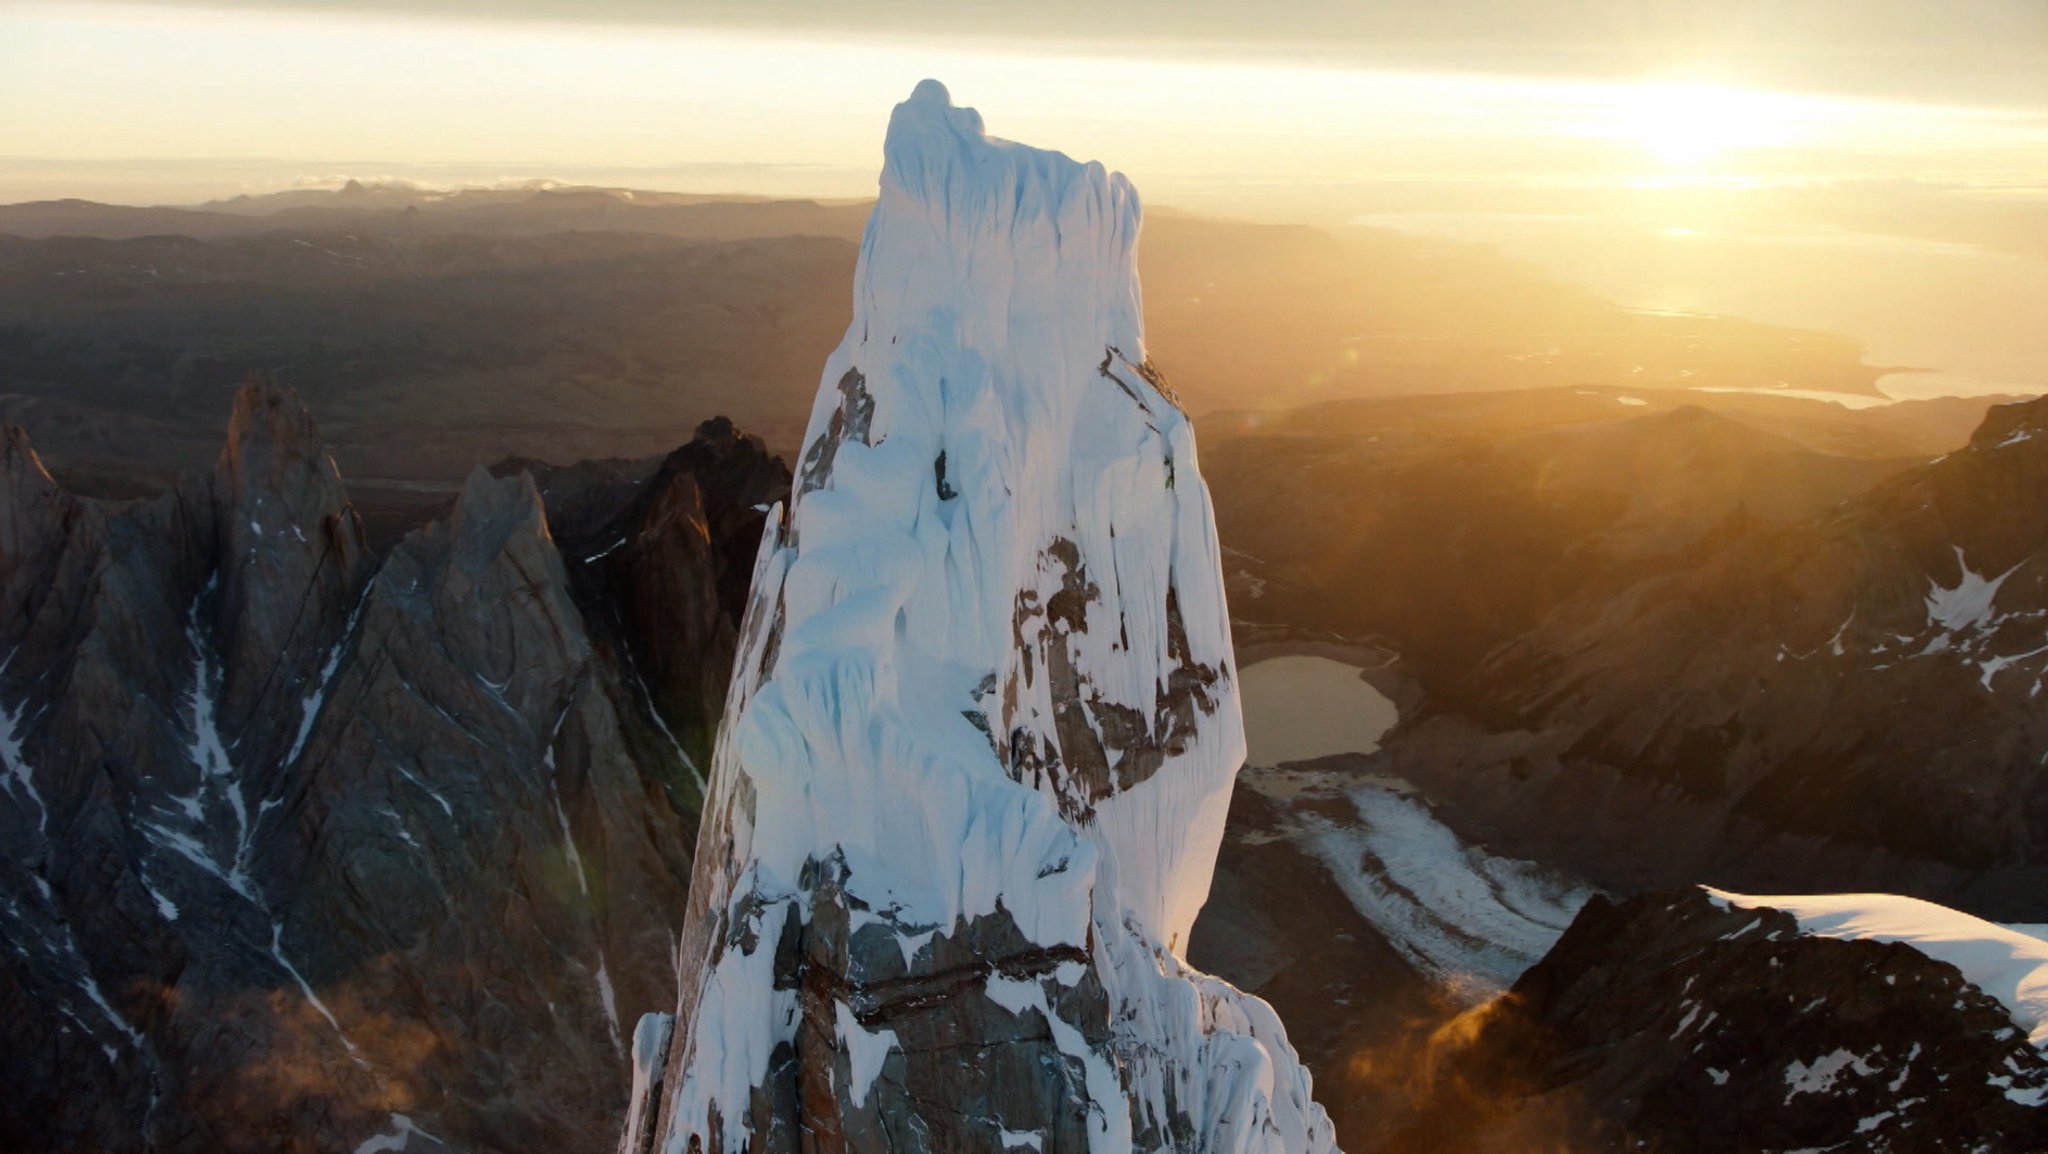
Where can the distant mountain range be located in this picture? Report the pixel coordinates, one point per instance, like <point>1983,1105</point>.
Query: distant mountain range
<point>391,209</point>
<point>431,329</point>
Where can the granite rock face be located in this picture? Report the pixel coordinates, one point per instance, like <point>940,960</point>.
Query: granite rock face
<point>301,849</point>
<point>664,561</point>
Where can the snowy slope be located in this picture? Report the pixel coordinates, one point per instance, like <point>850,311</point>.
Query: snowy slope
<point>1467,919</point>
<point>983,727</point>
<point>2005,963</point>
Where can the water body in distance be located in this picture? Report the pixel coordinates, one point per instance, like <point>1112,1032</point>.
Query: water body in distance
<point>1300,707</point>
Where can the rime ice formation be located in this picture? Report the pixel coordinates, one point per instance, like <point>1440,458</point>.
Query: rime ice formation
<point>983,727</point>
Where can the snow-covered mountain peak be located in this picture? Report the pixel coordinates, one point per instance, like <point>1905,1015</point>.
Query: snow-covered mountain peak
<point>983,725</point>
<point>930,108</point>
<point>1005,238</point>
<point>992,462</point>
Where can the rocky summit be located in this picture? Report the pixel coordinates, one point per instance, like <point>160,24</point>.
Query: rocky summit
<point>305,849</point>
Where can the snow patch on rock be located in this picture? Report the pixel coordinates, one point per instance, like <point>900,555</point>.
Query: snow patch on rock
<point>1968,604</point>
<point>19,777</point>
<point>403,1131</point>
<point>866,1051</point>
<point>309,707</point>
<point>1819,1075</point>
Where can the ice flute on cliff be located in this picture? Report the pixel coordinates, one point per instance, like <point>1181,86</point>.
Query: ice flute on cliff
<point>984,723</point>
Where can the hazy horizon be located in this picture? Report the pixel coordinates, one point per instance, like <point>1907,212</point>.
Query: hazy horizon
<point>1721,159</point>
<point>1318,113</point>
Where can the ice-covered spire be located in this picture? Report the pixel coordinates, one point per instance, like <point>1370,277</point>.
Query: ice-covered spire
<point>994,232</point>
<point>983,726</point>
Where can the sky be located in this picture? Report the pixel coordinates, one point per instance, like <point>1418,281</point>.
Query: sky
<point>1266,110</point>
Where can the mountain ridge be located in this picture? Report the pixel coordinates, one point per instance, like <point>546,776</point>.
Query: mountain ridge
<point>1776,667</point>
<point>306,843</point>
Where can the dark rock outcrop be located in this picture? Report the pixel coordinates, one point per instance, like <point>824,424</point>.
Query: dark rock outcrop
<point>292,566</point>
<point>300,850</point>
<point>1671,1023</point>
<point>663,567</point>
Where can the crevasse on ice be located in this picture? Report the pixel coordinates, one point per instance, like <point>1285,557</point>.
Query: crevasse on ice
<point>984,725</point>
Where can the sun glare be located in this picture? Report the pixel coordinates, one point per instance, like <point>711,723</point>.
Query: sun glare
<point>1689,125</point>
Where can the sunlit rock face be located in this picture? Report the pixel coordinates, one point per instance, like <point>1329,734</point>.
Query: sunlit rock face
<point>1743,715</point>
<point>983,726</point>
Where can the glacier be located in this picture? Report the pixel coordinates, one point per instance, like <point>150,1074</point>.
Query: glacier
<point>983,726</point>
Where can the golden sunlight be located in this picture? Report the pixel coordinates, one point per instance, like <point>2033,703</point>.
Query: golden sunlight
<point>1686,125</point>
